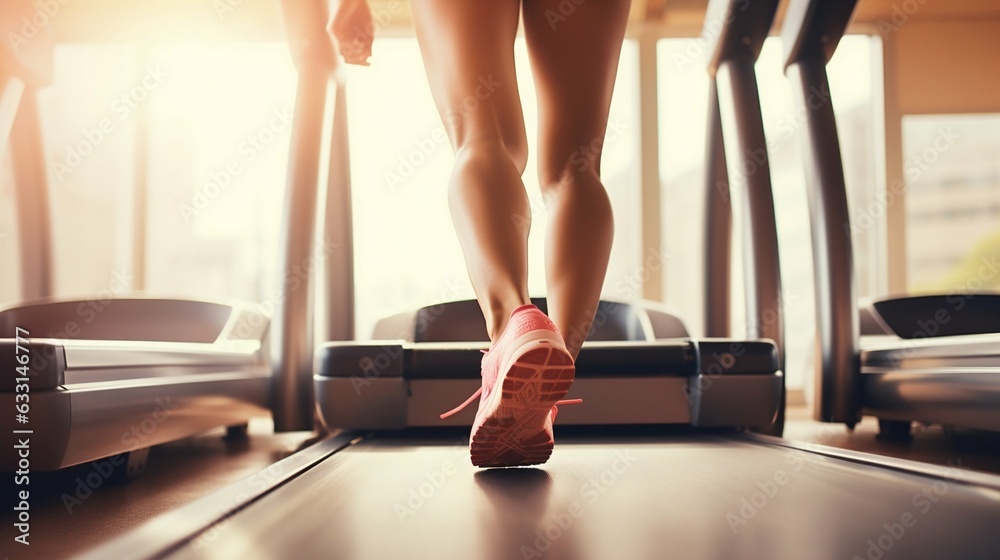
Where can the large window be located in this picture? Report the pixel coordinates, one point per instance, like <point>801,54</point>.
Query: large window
<point>683,110</point>
<point>212,123</point>
<point>219,130</point>
<point>952,176</point>
<point>89,132</point>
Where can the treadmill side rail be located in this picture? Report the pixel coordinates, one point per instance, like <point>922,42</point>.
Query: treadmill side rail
<point>749,401</point>
<point>739,383</point>
<point>362,403</point>
<point>963,397</point>
<point>90,421</point>
<point>46,365</point>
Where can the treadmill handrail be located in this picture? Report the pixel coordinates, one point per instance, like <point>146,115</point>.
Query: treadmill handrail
<point>735,31</point>
<point>30,60</point>
<point>294,320</point>
<point>735,27</point>
<point>814,29</point>
<point>717,230</point>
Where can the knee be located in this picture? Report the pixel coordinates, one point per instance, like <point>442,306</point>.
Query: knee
<point>517,149</point>
<point>494,150</point>
<point>568,173</point>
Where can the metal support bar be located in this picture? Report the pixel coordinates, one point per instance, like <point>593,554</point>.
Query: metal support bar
<point>140,195</point>
<point>650,184</point>
<point>32,194</point>
<point>338,230</point>
<point>734,33</point>
<point>895,248</point>
<point>293,324</point>
<point>838,380</point>
<point>811,33</point>
<point>292,345</point>
<point>11,90</point>
<point>749,171</point>
<point>718,226</point>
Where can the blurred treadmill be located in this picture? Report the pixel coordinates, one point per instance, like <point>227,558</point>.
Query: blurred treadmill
<point>106,376</point>
<point>653,493</point>
<point>920,358</point>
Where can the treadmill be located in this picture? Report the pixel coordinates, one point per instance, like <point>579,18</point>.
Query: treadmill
<point>918,358</point>
<point>654,492</point>
<point>147,371</point>
<point>639,366</point>
<point>106,376</point>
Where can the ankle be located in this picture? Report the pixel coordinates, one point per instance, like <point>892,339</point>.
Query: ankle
<point>498,314</point>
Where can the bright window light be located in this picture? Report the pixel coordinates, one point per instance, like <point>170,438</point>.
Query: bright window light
<point>405,245</point>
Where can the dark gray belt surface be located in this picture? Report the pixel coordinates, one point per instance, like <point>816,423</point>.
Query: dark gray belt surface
<point>676,497</point>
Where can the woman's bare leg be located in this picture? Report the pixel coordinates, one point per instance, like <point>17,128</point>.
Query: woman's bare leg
<point>468,51</point>
<point>574,58</point>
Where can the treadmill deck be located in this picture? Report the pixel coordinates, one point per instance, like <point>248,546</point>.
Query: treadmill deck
<point>683,496</point>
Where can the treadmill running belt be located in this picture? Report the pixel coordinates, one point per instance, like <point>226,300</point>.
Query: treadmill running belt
<point>690,496</point>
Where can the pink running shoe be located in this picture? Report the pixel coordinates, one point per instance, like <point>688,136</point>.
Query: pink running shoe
<point>530,364</point>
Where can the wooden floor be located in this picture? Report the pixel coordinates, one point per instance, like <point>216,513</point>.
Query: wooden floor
<point>971,449</point>
<point>77,509</point>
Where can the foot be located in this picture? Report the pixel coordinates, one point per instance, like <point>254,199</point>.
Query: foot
<point>525,374</point>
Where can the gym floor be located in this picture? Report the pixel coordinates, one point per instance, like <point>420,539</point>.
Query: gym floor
<point>79,508</point>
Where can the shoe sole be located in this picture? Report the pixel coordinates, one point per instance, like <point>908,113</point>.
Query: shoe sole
<point>515,432</point>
